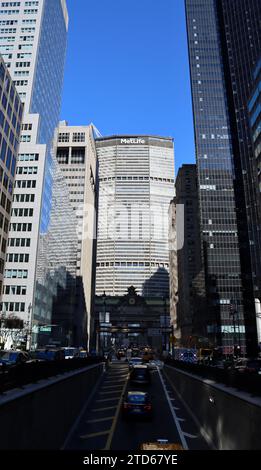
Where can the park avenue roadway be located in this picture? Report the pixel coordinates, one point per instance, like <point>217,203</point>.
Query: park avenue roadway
<point>102,427</point>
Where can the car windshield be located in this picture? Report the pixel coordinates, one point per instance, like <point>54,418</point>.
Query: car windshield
<point>137,398</point>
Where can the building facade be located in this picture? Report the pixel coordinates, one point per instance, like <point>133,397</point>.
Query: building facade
<point>173,267</point>
<point>76,156</point>
<point>131,319</point>
<point>11,110</point>
<point>227,323</point>
<point>136,184</point>
<point>191,305</point>
<point>254,108</point>
<point>33,38</point>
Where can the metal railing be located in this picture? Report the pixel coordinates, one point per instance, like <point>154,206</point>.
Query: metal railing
<point>26,373</point>
<point>245,381</point>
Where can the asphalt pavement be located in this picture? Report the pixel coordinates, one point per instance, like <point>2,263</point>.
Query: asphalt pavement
<point>102,427</point>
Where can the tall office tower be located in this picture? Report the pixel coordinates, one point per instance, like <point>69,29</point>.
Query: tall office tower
<point>224,42</point>
<point>173,268</point>
<point>56,269</point>
<point>254,107</point>
<point>11,110</point>
<point>191,306</point>
<point>33,39</point>
<point>136,184</point>
<point>76,155</point>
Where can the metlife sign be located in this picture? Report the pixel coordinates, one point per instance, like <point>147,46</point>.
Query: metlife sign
<point>133,141</point>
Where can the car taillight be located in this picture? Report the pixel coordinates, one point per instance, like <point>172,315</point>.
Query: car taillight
<point>147,407</point>
<point>126,406</point>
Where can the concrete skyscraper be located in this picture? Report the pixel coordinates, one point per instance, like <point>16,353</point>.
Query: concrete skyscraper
<point>191,305</point>
<point>11,110</point>
<point>224,45</point>
<point>136,184</point>
<point>33,37</point>
<point>76,155</point>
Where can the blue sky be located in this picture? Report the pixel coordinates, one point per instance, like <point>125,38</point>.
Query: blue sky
<point>127,70</point>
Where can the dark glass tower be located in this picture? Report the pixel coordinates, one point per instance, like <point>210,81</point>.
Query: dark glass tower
<point>223,47</point>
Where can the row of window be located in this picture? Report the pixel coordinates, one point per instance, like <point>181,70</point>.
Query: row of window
<point>76,137</point>
<point>25,184</point>
<point>22,212</point>
<point>14,290</point>
<point>13,22</point>
<point>14,227</point>
<point>19,242</point>
<point>26,170</point>
<point>137,178</point>
<point>16,273</point>
<point>27,127</point>
<point>25,138</point>
<point>14,30</point>
<point>13,306</point>
<point>17,257</point>
<point>28,157</point>
<point>23,197</point>
<point>132,263</point>
<point>31,11</point>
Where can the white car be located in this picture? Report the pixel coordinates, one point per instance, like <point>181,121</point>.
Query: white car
<point>71,353</point>
<point>155,363</point>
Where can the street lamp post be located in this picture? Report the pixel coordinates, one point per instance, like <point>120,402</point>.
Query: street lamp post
<point>30,325</point>
<point>233,313</point>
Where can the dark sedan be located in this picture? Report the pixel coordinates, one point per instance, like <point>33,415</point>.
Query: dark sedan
<point>140,375</point>
<point>137,404</point>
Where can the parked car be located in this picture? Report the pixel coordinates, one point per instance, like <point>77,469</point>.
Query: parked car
<point>245,365</point>
<point>12,357</point>
<point>70,352</point>
<point>83,353</point>
<point>49,354</point>
<point>155,363</point>
<point>140,375</point>
<point>137,404</point>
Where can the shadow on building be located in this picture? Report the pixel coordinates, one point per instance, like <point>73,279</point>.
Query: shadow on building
<point>157,285</point>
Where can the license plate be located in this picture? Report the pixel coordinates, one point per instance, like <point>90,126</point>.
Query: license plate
<point>137,410</point>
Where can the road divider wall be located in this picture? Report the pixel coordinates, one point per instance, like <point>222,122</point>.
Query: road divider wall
<point>40,416</point>
<point>230,419</point>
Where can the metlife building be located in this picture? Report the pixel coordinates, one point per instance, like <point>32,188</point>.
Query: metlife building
<point>136,184</point>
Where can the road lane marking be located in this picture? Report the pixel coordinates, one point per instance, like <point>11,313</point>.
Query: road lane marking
<point>108,393</point>
<point>105,408</point>
<point>111,386</point>
<point>99,420</point>
<point>181,434</point>
<point>106,399</point>
<point>95,434</point>
<point>202,431</point>
<point>109,440</point>
<point>191,436</point>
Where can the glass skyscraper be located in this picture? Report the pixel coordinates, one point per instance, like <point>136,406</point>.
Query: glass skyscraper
<point>33,38</point>
<point>216,175</point>
<point>224,43</point>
